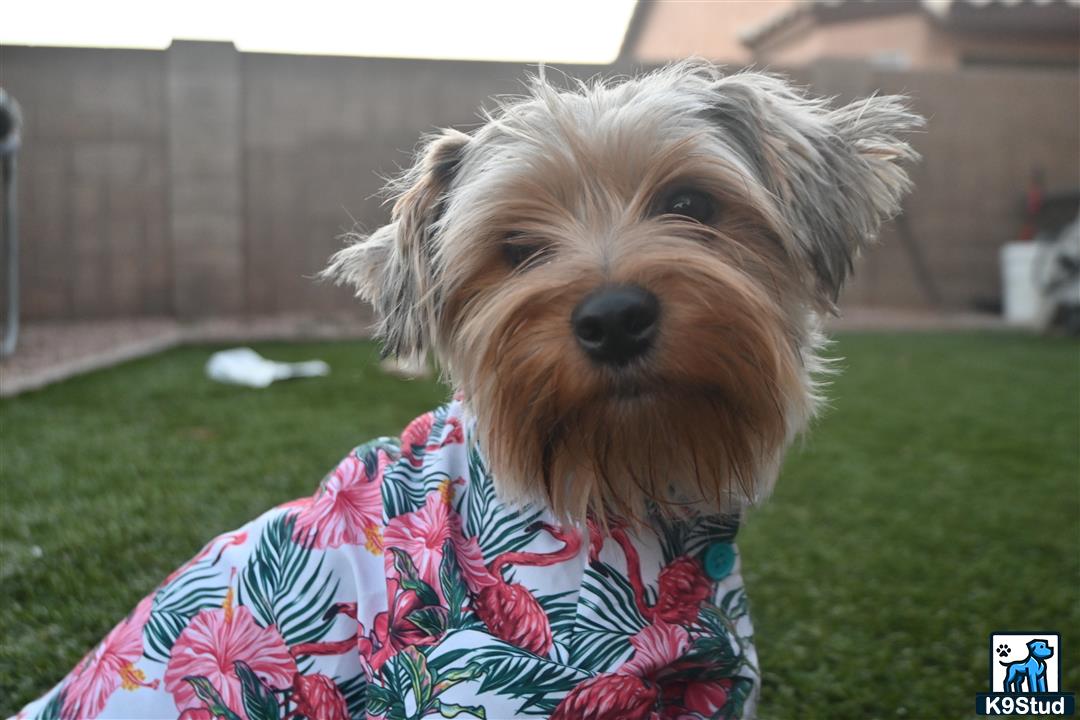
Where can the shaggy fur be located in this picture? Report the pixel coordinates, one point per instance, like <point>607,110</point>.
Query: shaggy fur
<point>497,235</point>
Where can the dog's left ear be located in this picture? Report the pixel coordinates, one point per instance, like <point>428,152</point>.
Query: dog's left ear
<point>836,173</point>
<point>394,267</point>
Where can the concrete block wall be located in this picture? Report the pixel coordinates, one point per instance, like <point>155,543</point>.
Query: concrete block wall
<point>987,130</point>
<point>200,182</point>
<point>93,176</point>
<point>206,210</point>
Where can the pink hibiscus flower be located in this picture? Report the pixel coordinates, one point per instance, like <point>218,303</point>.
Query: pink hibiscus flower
<point>347,508</point>
<point>423,533</point>
<point>210,645</point>
<point>196,714</point>
<point>111,665</point>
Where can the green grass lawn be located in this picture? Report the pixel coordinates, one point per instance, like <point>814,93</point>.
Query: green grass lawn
<point>937,500</point>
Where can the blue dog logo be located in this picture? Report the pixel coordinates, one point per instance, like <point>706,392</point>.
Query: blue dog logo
<point>1030,670</point>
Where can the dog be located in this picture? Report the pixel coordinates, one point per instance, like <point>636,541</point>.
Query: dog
<point>623,283</point>
<point>1031,669</point>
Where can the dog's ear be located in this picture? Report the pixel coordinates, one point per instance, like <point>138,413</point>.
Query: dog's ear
<point>836,173</point>
<point>394,267</point>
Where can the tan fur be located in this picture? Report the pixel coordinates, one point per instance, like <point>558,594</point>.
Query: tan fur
<point>701,421</point>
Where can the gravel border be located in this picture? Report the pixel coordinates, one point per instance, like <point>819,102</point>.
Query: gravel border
<point>54,351</point>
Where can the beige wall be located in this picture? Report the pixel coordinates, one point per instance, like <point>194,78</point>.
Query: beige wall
<point>200,181</point>
<point>987,129</point>
<point>678,29</point>
<point>120,218</point>
<point>1003,47</point>
<point>93,180</point>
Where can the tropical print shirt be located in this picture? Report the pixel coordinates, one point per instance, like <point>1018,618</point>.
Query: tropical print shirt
<point>403,589</point>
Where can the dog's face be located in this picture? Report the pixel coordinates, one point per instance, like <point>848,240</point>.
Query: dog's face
<point>1040,649</point>
<point>624,279</point>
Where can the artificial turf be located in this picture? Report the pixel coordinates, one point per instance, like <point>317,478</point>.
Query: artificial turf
<point>936,501</point>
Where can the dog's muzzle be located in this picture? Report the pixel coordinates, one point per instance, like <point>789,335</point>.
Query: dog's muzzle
<point>616,324</point>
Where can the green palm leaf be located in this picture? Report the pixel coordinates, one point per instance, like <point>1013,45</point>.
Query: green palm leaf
<point>209,695</point>
<point>706,531</point>
<point>601,637</point>
<point>282,587</point>
<point>450,710</point>
<point>388,699</point>
<point>405,491</point>
<point>722,648</point>
<point>382,701</point>
<point>693,537</point>
<point>409,577</point>
<point>540,682</point>
<point>561,611</point>
<point>259,700</point>
<point>355,692</point>
<point>420,679</point>
<point>740,691</point>
<point>53,708</point>
<point>176,603</point>
<point>368,452</point>
<point>672,536</point>
<point>453,584</point>
<point>735,604</point>
<point>497,529</point>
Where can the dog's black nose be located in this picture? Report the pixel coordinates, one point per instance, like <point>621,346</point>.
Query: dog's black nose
<point>616,324</point>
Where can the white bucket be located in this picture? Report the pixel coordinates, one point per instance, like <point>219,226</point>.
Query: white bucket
<point>1021,295</point>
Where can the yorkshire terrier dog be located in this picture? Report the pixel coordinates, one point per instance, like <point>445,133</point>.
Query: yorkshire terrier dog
<point>622,282</point>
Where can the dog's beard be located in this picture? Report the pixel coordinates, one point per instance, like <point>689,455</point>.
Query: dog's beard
<point>697,425</point>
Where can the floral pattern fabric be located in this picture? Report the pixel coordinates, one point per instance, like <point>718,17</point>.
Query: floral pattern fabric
<point>403,589</point>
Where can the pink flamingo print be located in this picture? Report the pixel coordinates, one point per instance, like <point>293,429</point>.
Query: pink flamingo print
<point>681,587</point>
<point>509,610</point>
<point>334,647</point>
<point>317,697</point>
<point>417,440</point>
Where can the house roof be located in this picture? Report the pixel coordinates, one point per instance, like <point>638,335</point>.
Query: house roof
<point>1053,16</point>
<point>634,28</point>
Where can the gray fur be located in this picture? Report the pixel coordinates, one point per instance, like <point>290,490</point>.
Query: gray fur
<point>826,178</point>
<point>835,172</point>
<point>393,268</point>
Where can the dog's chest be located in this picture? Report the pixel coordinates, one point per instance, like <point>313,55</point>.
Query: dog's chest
<point>498,608</point>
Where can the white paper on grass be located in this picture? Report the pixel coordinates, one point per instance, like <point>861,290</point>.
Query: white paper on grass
<point>244,366</point>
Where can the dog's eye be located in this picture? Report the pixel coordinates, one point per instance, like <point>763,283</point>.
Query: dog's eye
<point>691,204</point>
<point>522,252</point>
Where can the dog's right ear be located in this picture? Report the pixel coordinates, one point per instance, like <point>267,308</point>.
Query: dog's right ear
<point>837,173</point>
<point>394,267</point>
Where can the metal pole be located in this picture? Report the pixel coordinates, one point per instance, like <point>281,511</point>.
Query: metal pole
<point>10,126</point>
